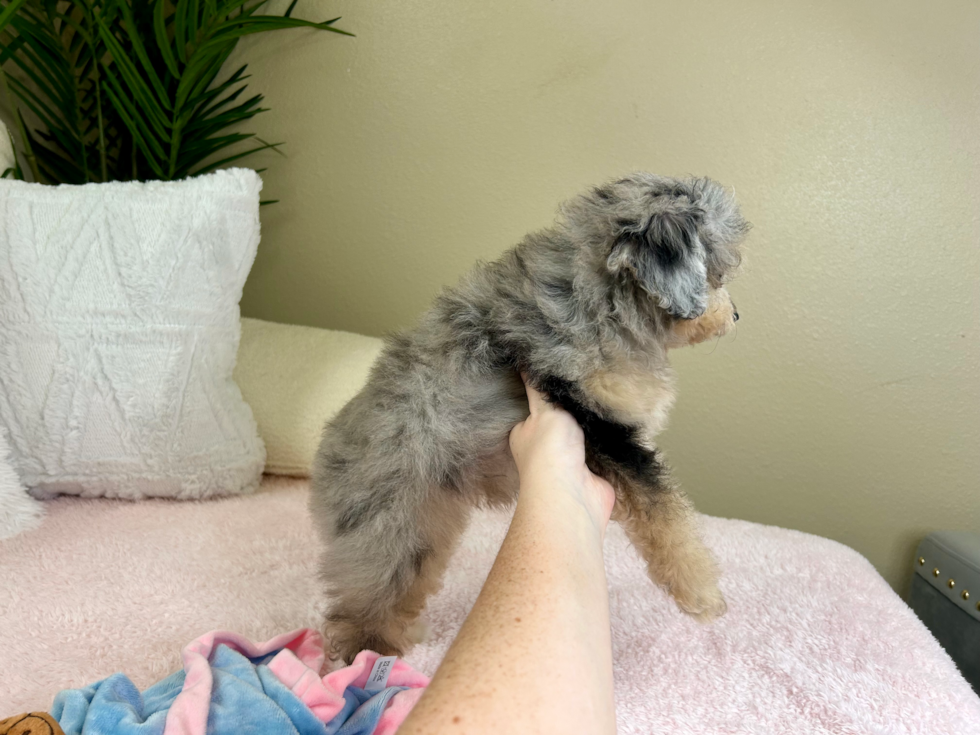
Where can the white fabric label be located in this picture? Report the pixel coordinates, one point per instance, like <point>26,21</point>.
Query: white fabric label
<point>378,679</point>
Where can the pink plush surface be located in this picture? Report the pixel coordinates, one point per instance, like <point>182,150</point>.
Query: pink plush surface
<point>814,641</point>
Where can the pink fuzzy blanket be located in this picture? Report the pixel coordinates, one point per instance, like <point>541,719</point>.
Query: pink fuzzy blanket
<point>814,640</point>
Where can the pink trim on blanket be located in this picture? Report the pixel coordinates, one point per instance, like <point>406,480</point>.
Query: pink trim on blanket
<point>297,666</point>
<point>325,697</point>
<point>188,714</point>
<point>397,710</point>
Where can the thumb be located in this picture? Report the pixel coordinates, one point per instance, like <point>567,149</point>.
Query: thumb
<point>536,400</point>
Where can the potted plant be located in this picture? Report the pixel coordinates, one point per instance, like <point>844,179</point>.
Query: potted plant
<point>119,287</point>
<point>126,90</point>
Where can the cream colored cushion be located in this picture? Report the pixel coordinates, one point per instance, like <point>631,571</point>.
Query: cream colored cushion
<point>295,378</point>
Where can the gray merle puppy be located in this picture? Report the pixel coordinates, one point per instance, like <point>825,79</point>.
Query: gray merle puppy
<point>587,310</point>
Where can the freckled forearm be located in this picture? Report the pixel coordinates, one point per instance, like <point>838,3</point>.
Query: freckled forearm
<point>534,654</point>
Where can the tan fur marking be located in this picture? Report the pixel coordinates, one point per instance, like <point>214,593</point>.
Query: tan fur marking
<point>715,322</point>
<point>639,394</point>
<point>666,535</point>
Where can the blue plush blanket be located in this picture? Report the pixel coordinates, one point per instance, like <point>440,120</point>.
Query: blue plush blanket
<point>246,696</point>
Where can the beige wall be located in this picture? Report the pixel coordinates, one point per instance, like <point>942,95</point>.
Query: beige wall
<point>849,403</point>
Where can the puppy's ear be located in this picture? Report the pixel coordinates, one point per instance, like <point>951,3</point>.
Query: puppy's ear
<point>665,257</point>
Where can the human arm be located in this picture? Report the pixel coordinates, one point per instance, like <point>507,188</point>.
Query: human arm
<point>535,654</point>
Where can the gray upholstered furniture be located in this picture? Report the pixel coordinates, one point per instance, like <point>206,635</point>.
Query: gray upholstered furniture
<point>946,596</point>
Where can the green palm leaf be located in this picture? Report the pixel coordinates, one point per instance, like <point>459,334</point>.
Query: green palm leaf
<point>121,89</point>
<point>9,10</point>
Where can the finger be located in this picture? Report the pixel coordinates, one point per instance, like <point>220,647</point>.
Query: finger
<point>536,401</point>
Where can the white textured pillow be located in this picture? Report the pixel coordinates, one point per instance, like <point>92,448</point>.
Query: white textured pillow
<point>119,325</point>
<point>18,511</point>
<point>295,378</point>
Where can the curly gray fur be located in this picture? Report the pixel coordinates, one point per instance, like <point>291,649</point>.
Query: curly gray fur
<point>625,269</point>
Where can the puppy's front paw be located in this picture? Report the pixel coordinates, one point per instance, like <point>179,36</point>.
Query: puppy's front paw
<point>346,639</point>
<point>704,603</point>
<point>694,586</point>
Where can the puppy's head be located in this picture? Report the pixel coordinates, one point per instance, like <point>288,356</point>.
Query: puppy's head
<point>675,240</point>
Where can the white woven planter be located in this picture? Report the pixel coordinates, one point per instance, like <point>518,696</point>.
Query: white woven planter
<point>119,326</point>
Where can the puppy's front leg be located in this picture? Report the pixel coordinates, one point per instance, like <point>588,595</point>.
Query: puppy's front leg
<point>657,516</point>
<point>661,523</point>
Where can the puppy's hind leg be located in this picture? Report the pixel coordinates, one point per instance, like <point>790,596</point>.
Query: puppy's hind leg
<point>662,525</point>
<point>380,573</point>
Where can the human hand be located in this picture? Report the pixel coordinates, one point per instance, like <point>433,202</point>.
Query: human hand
<point>549,449</point>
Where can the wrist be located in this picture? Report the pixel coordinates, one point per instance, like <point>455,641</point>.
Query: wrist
<point>544,474</point>
<point>562,502</point>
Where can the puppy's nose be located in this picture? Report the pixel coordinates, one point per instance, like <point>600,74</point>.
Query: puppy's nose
<point>734,312</point>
